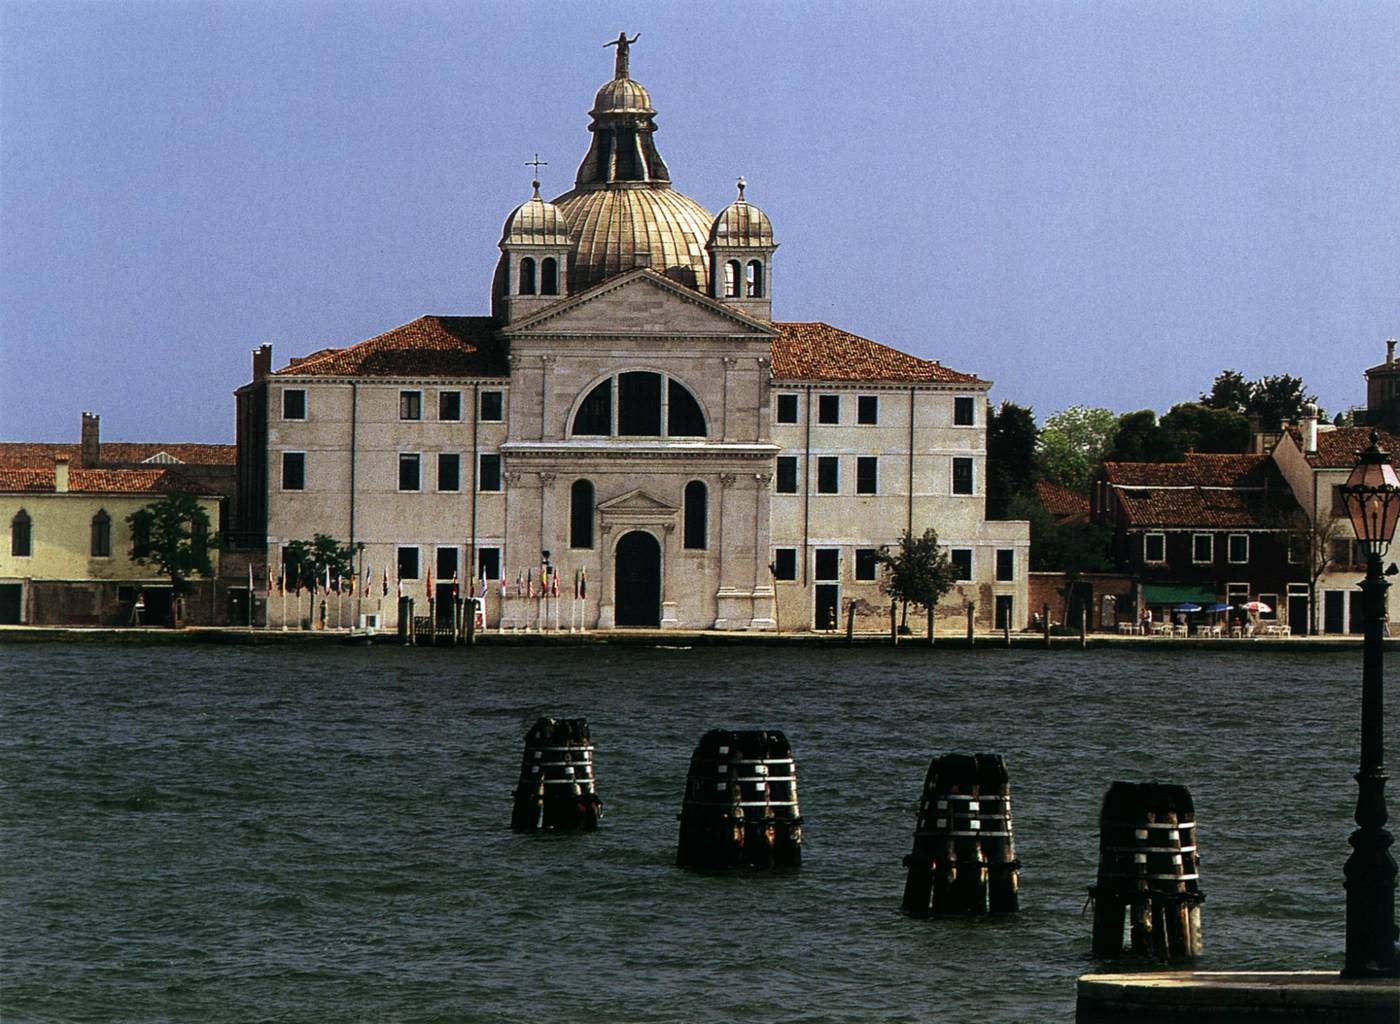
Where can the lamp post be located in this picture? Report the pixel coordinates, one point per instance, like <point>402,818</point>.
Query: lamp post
<point>1372,499</point>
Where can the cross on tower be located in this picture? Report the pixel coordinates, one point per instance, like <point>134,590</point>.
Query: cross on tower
<point>536,163</point>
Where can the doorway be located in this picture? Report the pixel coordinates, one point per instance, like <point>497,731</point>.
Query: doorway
<point>1003,611</point>
<point>11,601</point>
<point>637,577</point>
<point>827,570</point>
<point>1334,611</point>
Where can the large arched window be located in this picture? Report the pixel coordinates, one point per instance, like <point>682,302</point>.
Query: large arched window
<point>696,515</point>
<point>101,534</point>
<point>527,276</point>
<point>754,280</point>
<point>21,537</point>
<point>581,514</point>
<point>639,403</point>
<point>549,276</point>
<point>732,270</point>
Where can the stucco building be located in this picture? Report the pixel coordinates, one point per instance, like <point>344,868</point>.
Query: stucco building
<point>629,410</point>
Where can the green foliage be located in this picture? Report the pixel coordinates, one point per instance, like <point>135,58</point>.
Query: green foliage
<point>310,559</point>
<point>1141,438</point>
<point>1273,398</point>
<point>1073,443</point>
<point>1070,548</point>
<point>173,534</point>
<point>1012,468</point>
<point>919,572</point>
<point>1200,428</point>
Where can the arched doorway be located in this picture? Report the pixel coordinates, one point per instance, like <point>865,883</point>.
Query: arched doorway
<point>638,580</point>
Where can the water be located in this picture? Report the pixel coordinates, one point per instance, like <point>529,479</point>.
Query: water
<point>319,834</point>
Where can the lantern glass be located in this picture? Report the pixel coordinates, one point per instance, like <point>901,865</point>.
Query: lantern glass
<point>1372,498</point>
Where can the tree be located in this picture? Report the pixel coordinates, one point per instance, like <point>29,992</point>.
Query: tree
<point>1073,443</point>
<point>1011,457</point>
<point>173,535</point>
<point>1201,428</point>
<point>1274,398</point>
<point>310,559</point>
<point>1229,391</point>
<point>1311,542</point>
<point>918,573</point>
<point>1140,438</point>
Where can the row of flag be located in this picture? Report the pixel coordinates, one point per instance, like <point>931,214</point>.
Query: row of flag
<point>527,584</point>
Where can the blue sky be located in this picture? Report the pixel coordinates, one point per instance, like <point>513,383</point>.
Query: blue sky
<point>1092,203</point>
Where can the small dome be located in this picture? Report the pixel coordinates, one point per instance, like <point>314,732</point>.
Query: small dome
<point>623,96</point>
<point>536,222</point>
<point>741,224</point>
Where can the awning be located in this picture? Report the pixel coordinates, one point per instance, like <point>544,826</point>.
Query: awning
<point>1177,593</point>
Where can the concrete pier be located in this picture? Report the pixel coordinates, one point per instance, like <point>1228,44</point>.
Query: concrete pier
<point>1228,997</point>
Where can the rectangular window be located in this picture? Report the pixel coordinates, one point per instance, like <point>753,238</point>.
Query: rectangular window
<point>828,471</point>
<point>962,562</point>
<point>294,471</point>
<point>446,564</point>
<point>492,406</point>
<point>1236,594</point>
<point>867,474</point>
<point>1202,548</point>
<point>489,479</point>
<point>828,563</point>
<point>408,563</point>
<point>488,563</point>
<point>294,404</point>
<point>964,411</point>
<point>1238,548</point>
<point>409,475</point>
<point>1339,507</point>
<point>787,474</point>
<point>785,563</point>
<point>449,471</point>
<point>410,405</point>
<point>828,408</point>
<point>449,405</point>
<point>1154,548</point>
<point>101,535</point>
<point>866,565</point>
<point>787,408</point>
<point>962,476</point>
<point>1006,565</point>
<point>868,410</point>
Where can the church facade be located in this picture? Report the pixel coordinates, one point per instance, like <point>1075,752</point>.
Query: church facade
<point>631,417</point>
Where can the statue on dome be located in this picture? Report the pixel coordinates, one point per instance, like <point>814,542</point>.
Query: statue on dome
<point>620,66</point>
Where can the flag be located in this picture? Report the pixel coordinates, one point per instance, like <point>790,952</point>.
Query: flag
<point>369,581</point>
<point>503,586</point>
<point>519,584</point>
<point>554,583</point>
<point>250,580</point>
<point>270,579</point>
<point>328,579</point>
<point>530,582</point>
<point>385,592</point>
<point>281,579</point>
<point>576,582</point>
<point>454,584</point>
<point>429,585</point>
<point>583,583</point>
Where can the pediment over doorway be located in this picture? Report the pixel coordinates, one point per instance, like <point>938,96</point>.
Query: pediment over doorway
<point>636,508</point>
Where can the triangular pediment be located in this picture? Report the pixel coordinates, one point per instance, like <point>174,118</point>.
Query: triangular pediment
<point>637,500</point>
<point>640,302</point>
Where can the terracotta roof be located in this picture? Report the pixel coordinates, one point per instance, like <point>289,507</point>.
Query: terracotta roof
<point>1195,470</point>
<point>15,455</point>
<point>447,346</point>
<point>818,351</point>
<point>100,481</point>
<point>1202,492</point>
<point>1062,503</point>
<point>1337,448</point>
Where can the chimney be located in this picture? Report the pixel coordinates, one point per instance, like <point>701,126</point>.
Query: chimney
<point>1256,433</point>
<point>262,362</point>
<point>60,474</point>
<point>90,453</point>
<point>1309,429</point>
<point>1390,352</point>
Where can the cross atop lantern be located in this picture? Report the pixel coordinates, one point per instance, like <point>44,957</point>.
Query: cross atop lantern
<point>1371,496</point>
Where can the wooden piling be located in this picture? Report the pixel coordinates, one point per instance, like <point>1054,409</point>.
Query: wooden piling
<point>964,856</point>
<point>469,621</point>
<point>557,791</point>
<point>1148,866</point>
<point>894,625</point>
<point>405,621</point>
<point>1045,623</point>
<point>850,621</point>
<point>971,617</point>
<point>740,807</point>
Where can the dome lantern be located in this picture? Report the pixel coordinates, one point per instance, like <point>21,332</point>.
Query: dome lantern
<point>534,266</point>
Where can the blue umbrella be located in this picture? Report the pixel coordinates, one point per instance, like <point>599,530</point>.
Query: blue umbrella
<point>1188,607</point>
<point>1218,608</point>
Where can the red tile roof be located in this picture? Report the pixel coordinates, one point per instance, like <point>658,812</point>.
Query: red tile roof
<point>15,455</point>
<point>818,351</point>
<point>1062,503</point>
<point>1336,449</point>
<point>449,346</point>
<point>100,481</point>
<point>1209,492</point>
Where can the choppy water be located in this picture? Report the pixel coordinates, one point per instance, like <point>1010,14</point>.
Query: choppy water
<point>218,834</point>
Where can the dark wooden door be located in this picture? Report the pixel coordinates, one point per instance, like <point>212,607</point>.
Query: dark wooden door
<point>1004,611</point>
<point>638,580</point>
<point>1298,614</point>
<point>10,596</point>
<point>1334,611</point>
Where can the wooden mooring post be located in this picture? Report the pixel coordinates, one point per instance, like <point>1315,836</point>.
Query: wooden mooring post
<point>740,807</point>
<point>850,620</point>
<point>964,857</point>
<point>1148,866</point>
<point>406,621</point>
<point>971,618</point>
<point>1045,624</point>
<point>557,791</point>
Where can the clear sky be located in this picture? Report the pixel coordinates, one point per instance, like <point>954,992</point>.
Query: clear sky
<point>1091,203</point>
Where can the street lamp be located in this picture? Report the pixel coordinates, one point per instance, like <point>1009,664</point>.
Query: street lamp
<point>1371,496</point>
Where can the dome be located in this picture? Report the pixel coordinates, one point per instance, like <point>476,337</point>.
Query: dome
<point>622,96</point>
<point>741,225</point>
<point>609,227</point>
<point>536,222</point>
